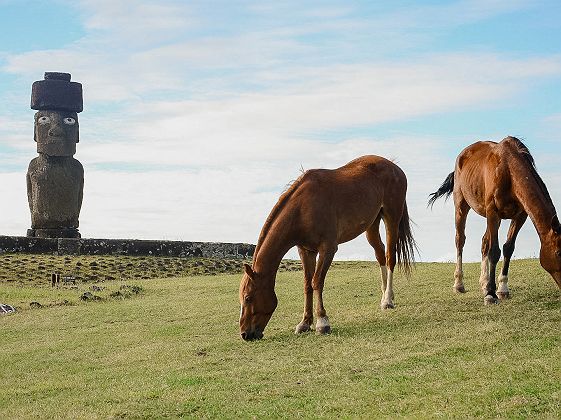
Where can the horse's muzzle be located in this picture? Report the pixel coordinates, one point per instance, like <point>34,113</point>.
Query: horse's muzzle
<point>252,335</point>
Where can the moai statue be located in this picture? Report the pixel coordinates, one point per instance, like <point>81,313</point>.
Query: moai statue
<point>55,180</point>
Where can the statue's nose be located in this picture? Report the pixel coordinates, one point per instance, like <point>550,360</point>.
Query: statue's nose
<point>55,130</point>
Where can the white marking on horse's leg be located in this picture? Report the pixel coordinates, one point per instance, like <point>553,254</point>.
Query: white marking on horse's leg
<point>322,325</point>
<point>490,300</point>
<point>484,277</point>
<point>387,296</point>
<point>459,276</point>
<point>502,290</point>
<point>384,277</point>
<point>302,327</point>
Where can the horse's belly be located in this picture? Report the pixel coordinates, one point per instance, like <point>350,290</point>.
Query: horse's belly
<point>348,234</point>
<point>476,204</point>
<point>347,238</point>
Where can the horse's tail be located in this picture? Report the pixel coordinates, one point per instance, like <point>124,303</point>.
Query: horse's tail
<point>406,245</point>
<point>445,189</point>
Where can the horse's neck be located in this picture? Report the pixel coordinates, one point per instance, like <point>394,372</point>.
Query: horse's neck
<point>533,199</point>
<point>271,251</point>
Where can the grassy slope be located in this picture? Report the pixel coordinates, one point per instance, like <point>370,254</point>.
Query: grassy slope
<point>175,351</point>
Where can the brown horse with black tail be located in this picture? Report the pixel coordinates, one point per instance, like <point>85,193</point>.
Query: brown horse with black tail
<point>320,210</point>
<point>500,181</point>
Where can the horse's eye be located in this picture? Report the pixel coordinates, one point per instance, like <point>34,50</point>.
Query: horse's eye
<point>558,253</point>
<point>247,299</point>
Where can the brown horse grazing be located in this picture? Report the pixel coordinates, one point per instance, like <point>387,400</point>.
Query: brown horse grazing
<point>320,210</point>
<point>500,181</point>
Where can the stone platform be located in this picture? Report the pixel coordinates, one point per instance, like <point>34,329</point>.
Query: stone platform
<point>132,247</point>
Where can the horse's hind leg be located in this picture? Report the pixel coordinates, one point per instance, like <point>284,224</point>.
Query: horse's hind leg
<point>508,249</point>
<point>462,209</point>
<point>309,264</point>
<point>326,254</point>
<point>391,221</point>
<point>374,239</point>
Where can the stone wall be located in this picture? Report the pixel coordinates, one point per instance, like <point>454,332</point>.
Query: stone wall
<point>132,247</point>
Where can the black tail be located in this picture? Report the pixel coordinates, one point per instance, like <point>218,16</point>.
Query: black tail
<point>445,189</point>
<point>406,245</point>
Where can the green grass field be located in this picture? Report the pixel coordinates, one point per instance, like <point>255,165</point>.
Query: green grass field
<point>173,349</point>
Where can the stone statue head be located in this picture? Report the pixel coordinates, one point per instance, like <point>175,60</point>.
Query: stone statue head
<point>58,101</point>
<point>56,132</point>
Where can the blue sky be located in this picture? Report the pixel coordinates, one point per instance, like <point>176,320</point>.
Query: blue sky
<point>197,114</point>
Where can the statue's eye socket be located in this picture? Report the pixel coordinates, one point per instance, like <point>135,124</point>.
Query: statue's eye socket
<point>69,121</point>
<point>44,120</point>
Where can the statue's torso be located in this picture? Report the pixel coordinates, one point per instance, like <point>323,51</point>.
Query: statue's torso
<point>55,190</point>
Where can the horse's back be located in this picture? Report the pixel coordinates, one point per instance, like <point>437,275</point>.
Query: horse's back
<point>475,154</point>
<point>369,173</point>
<point>372,164</point>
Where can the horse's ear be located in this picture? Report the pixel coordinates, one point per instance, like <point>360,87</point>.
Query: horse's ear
<point>555,225</point>
<point>248,270</point>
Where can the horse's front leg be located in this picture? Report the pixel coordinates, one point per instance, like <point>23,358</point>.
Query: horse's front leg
<point>491,253</point>
<point>325,258</point>
<point>309,265</point>
<point>508,249</point>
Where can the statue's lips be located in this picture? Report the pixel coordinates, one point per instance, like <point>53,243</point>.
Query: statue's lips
<point>55,140</point>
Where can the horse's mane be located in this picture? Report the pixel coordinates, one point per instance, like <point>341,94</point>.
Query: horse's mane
<point>525,153</point>
<point>290,188</point>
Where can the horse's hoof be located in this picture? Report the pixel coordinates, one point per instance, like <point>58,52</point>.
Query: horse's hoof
<point>503,295</point>
<point>302,328</point>
<point>490,300</point>
<point>387,305</point>
<point>322,325</point>
<point>459,289</point>
<point>326,329</point>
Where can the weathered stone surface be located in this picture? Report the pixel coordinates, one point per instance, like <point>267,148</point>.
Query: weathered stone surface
<point>131,247</point>
<point>57,92</point>
<point>68,246</point>
<point>54,191</point>
<point>54,233</point>
<point>10,244</point>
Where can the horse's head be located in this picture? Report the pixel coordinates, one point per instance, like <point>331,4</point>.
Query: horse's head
<point>550,252</point>
<point>258,302</point>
